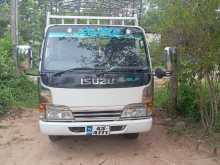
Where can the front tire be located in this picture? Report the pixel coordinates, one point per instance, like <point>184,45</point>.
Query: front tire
<point>132,136</point>
<point>54,138</point>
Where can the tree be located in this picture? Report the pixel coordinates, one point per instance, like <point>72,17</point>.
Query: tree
<point>193,27</point>
<point>4,19</point>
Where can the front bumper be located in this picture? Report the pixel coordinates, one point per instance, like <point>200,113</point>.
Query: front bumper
<point>68,128</point>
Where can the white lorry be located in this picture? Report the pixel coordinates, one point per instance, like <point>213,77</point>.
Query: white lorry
<point>95,77</point>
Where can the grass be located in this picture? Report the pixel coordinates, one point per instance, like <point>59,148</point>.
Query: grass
<point>187,114</point>
<point>14,91</point>
<point>161,96</point>
<point>26,93</point>
<point>18,92</point>
<point>4,127</point>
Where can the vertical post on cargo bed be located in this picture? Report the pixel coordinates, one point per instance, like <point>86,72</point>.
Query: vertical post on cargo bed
<point>123,22</point>
<point>136,20</point>
<point>48,18</point>
<point>98,22</point>
<point>88,21</point>
<point>111,22</point>
<point>75,21</point>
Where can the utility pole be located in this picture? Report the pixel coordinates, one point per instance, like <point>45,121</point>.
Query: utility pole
<point>14,31</point>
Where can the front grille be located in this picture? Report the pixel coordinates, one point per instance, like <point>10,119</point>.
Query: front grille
<point>77,129</point>
<point>97,115</point>
<point>117,128</point>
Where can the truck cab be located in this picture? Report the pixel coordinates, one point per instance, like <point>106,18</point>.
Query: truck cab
<point>95,79</point>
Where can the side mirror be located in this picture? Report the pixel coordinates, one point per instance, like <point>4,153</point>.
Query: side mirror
<point>24,58</point>
<point>159,73</point>
<point>169,57</point>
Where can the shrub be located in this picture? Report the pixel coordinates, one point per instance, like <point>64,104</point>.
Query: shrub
<point>24,92</point>
<point>18,91</point>
<point>217,126</point>
<point>161,96</point>
<point>187,101</point>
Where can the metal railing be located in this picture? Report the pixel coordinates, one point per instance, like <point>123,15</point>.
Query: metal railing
<point>60,19</point>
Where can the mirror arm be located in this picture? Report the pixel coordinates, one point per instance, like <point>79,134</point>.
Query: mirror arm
<point>31,74</point>
<point>168,74</point>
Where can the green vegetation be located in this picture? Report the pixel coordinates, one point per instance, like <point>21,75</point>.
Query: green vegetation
<point>187,102</point>
<point>193,28</point>
<point>161,96</point>
<point>14,91</point>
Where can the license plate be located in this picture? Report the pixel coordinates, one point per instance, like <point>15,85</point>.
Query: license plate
<point>98,130</point>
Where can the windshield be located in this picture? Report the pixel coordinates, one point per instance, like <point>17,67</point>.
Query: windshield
<point>69,47</point>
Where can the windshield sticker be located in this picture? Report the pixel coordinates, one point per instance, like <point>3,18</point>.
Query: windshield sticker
<point>95,33</point>
<point>57,34</point>
<point>100,32</point>
<point>133,78</point>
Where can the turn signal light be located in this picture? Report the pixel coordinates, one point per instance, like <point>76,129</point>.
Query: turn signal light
<point>147,99</point>
<point>42,107</point>
<point>150,107</point>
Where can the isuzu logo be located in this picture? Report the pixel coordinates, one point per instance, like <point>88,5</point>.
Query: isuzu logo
<point>97,81</point>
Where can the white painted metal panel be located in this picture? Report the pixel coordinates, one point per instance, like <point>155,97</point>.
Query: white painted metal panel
<point>62,128</point>
<point>97,97</point>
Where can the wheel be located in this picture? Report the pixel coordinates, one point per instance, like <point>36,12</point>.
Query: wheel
<point>54,138</point>
<point>131,136</point>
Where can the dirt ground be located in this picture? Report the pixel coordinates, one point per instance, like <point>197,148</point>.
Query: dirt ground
<point>21,143</point>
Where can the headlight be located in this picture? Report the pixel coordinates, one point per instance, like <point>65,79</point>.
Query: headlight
<point>58,113</point>
<point>134,111</point>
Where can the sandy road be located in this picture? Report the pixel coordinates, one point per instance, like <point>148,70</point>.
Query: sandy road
<point>22,144</point>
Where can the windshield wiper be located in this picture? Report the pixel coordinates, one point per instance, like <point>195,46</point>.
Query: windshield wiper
<point>74,69</point>
<point>125,69</point>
